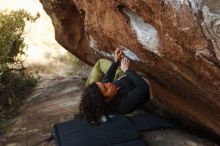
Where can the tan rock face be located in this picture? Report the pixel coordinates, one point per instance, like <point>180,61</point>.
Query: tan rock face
<point>175,43</point>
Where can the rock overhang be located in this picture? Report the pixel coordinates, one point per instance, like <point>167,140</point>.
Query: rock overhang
<point>173,42</point>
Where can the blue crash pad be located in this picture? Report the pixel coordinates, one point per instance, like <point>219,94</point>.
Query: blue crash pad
<point>118,131</point>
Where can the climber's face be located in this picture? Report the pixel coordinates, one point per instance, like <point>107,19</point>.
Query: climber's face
<point>109,90</point>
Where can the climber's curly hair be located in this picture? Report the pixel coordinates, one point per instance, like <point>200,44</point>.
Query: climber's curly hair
<point>92,104</point>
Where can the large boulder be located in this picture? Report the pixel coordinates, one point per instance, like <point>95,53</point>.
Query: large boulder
<point>174,43</point>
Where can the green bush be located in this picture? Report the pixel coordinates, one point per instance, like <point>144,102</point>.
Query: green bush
<point>16,81</point>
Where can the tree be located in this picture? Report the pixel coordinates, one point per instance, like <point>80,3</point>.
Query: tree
<point>14,77</point>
